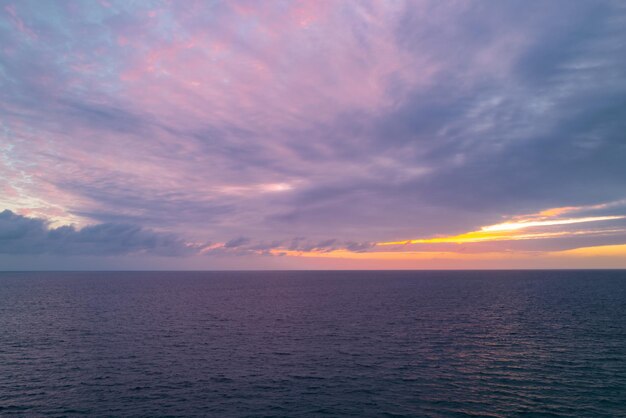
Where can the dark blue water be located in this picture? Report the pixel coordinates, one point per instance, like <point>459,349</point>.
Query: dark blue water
<point>314,343</point>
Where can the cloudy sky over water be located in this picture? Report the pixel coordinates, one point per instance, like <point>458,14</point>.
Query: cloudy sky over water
<point>312,134</point>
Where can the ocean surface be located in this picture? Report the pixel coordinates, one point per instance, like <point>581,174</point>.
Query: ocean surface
<point>498,343</point>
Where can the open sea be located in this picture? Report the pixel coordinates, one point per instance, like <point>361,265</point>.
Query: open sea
<point>308,344</point>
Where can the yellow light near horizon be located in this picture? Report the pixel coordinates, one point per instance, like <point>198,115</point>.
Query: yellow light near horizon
<point>517,228</point>
<point>503,231</point>
<point>513,226</point>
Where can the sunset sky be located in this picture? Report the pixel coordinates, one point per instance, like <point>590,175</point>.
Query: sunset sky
<point>312,134</point>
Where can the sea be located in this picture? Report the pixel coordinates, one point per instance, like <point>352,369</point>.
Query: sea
<point>313,343</point>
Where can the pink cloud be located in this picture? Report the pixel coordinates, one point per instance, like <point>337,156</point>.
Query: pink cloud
<point>271,73</point>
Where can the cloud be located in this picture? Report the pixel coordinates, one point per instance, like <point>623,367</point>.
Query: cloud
<point>366,123</point>
<point>236,242</point>
<point>22,235</point>
<point>488,138</point>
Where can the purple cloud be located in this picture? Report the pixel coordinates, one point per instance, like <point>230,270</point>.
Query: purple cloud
<point>364,122</point>
<point>22,235</point>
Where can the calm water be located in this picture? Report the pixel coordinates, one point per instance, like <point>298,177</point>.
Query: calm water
<point>314,343</point>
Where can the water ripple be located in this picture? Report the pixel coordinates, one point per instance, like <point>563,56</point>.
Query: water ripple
<point>396,344</point>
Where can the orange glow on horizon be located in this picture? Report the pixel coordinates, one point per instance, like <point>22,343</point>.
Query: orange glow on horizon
<point>595,251</point>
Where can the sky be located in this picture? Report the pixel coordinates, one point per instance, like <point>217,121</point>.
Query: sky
<point>312,134</point>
